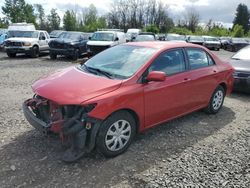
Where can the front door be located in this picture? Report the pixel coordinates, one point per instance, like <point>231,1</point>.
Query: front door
<point>170,98</point>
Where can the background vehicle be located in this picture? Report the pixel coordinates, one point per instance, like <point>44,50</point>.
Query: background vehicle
<point>3,37</point>
<point>224,41</point>
<point>241,63</point>
<point>195,39</point>
<point>55,33</point>
<point>72,44</point>
<point>145,36</point>
<point>104,39</point>
<point>28,42</point>
<point>127,89</point>
<point>175,37</point>
<point>132,33</point>
<point>212,43</point>
<point>235,44</point>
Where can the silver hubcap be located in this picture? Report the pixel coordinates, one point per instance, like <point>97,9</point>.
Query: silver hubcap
<point>217,100</point>
<point>118,135</point>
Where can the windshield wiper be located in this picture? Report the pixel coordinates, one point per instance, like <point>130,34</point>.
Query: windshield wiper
<point>234,58</point>
<point>98,71</point>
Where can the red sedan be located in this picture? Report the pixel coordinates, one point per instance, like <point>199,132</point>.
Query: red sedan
<point>125,90</point>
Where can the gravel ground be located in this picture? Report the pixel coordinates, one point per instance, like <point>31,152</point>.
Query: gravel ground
<point>197,150</point>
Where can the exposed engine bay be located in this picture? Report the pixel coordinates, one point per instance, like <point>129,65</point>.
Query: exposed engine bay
<point>77,131</point>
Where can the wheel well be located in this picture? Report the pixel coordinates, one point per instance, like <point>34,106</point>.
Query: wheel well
<point>35,45</point>
<point>224,86</point>
<point>135,116</point>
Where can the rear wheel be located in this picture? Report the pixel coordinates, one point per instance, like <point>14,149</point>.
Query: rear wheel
<point>34,52</point>
<point>216,100</point>
<point>116,134</point>
<point>11,54</point>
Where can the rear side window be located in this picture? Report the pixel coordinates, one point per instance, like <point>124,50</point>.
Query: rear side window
<point>170,62</point>
<point>198,58</point>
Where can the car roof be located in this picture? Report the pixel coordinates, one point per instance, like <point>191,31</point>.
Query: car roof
<point>163,44</point>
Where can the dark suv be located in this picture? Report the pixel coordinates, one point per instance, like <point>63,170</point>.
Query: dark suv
<point>71,44</point>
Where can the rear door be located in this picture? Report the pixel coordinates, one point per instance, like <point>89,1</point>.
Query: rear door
<point>203,75</point>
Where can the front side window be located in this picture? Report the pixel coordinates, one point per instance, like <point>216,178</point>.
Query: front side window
<point>41,35</point>
<point>198,58</point>
<point>170,62</point>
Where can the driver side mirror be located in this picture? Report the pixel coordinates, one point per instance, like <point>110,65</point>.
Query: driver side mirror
<point>116,39</point>
<point>89,38</point>
<point>156,76</point>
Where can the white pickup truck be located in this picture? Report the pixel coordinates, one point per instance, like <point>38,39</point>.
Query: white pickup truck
<point>28,42</point>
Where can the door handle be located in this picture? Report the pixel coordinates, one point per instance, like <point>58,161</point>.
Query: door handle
<point>186,79</point>
<point>214,71</point>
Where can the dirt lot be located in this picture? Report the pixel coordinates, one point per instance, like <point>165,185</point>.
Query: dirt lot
<point>195,150</point>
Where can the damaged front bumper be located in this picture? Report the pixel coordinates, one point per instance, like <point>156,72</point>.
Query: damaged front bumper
<point>76,128</point>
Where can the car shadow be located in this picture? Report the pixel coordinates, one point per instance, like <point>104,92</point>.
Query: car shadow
<point>37,158</point>
<point>21,56</point>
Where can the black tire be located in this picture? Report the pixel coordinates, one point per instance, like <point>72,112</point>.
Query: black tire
<point>103,138</point>
<point>76,54</point>
<point>216,101</point>
<point>52,55</point>
<point>11,54</point>
<point>34,52</point>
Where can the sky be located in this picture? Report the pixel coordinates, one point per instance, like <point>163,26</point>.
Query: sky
<point>217,10</point>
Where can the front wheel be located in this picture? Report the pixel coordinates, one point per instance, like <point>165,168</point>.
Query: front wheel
<point>76,54</point>
<point>52,55</point>
<point>11,54</point>
<point>34,52</point>
<point>216,100</point>
<point>116,134</point>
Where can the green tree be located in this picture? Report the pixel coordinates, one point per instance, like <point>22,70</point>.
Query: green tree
<point>181,31</point>
<point>53,20</point>
<point>4,23</point>
<point>242,17</point>
<point>18,11</point>
<point>152,28</point>
<point>39,12</point>
<point>238,31</point>
<point>69,21</point>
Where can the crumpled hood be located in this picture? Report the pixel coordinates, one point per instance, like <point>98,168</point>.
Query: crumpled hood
<point>21,39</point>
<point>100,43</point>
<point>73,86</point>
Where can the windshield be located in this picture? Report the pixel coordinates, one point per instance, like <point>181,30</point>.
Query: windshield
<point>211,39</point>
<point>197,38</point>
<point>24,34</point>
<point>175,37</point>
<point>240,40</point>
<point>103,37</point>
<point>243,54</point>
<point>121,61</point>
<point>56,33</point>
<point>145,38</point>
<point>70,35</point>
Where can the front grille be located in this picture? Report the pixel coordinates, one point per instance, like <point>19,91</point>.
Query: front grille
<point>59,45</point>
<point>97,49</point>
<point>9,43</point>
<point>242,74</point>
